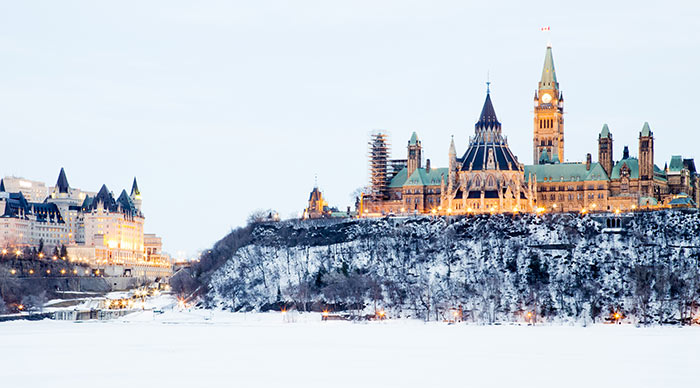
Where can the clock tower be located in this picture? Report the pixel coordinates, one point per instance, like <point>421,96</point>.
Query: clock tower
<point>549,118</point>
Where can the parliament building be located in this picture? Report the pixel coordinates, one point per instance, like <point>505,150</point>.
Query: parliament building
<point>488,178</point>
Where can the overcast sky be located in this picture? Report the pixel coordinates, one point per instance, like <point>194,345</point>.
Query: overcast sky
<point>222,107</point>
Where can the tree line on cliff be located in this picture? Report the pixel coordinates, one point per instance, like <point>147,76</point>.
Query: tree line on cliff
<point>491,268</point>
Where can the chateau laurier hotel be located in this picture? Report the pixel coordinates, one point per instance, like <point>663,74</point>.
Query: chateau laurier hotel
<point>489,178</point>
<point>95,228</point>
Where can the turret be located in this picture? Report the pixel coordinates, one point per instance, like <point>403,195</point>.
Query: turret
<point>646,153</point>
<point>62,189</point>
<point>414,154</point>
<point>452,155</point>
<point>136,195</point>
<point>605,146</point>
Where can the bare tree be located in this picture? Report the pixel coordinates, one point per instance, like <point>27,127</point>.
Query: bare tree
<point>262,215</point>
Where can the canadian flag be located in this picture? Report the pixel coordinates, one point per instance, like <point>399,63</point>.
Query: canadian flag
<point>544,28</point>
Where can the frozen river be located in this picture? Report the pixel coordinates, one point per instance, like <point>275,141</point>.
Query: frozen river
<point>203,349</point>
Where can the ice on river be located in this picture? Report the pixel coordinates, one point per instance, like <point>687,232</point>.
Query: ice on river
<point>207,349</point>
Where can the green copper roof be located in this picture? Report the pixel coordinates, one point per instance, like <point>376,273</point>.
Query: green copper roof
<point>566,172</point>
<point>549,76</point>
<point>676,163</point>
<point>605,132</point>
<point>682,199</point>
<point>414,139</point>
<point>421,177</point>
<point>646,131</point>
<point>544,156</point>
<point>633,165</point>
<point>399,179</point>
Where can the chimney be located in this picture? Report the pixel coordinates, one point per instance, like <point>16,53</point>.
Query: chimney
<point>625,153</point>
<point>427,165</point>
<point>588,162</point>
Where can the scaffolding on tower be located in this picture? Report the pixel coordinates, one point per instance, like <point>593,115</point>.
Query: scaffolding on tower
<point>378,165</point>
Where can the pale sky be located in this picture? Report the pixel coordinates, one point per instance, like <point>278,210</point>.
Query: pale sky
<point>223,107</point>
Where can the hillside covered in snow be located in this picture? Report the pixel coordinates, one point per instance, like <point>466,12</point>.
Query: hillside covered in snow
<point>491,268</point>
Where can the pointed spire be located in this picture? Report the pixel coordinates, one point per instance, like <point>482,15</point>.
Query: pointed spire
<point>124,201</point>
<point>62,183</point>
<point>488,114</point>
<point>2,186</point>
<point>549,76</point>
<point>414,139</point>
<point>646,131</point>
<point>105,198</point>
<point>135,188</point>
<point>453,150</point>
<point>605,132</point>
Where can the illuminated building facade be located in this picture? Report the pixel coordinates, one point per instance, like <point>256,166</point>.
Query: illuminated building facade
<point>489,178</point>
<point>608,185</point>
<point>33,191</point>
<point>97,229</point>
<point>318,207</point>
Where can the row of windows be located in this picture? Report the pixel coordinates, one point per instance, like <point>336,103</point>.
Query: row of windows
<point>571,197</point>
<point>418,191</point>
<point>569,188</point>
<point>547,123</point>
<point>418,200</point>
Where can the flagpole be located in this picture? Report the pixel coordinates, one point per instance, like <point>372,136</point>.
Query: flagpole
<point>547,29</point>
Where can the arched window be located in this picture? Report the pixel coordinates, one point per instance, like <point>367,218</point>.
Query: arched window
<point>490,181</point>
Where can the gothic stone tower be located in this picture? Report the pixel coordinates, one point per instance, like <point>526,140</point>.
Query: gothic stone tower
<point>414,154</point>
<point>549,109</point>
<point>646,159</point>
<point>605,145</point>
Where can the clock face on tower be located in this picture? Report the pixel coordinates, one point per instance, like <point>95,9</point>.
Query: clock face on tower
<point>546,98</point>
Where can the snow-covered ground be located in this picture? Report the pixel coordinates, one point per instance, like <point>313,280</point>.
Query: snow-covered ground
<point>209,349</point>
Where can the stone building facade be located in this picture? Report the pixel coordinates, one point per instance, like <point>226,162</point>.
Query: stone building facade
<point>608,185</point>
<point>488,177</point>
<point>99,230</point>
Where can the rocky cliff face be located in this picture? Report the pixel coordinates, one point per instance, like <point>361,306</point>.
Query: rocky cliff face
<point>497,268</point>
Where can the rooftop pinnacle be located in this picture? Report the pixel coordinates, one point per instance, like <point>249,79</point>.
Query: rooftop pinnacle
<point>549,76</point>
